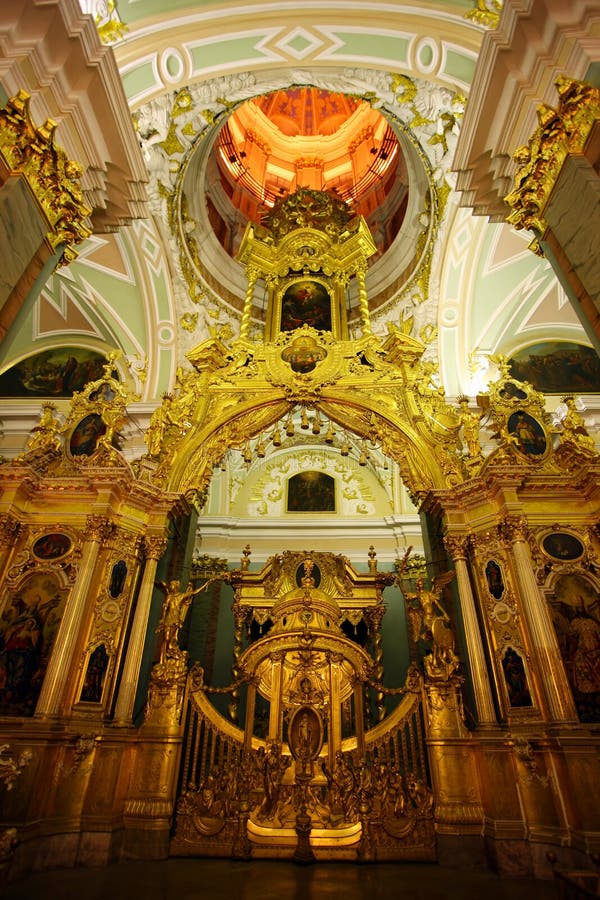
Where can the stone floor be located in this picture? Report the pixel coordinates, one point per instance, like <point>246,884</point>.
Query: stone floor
<point>196,879</point>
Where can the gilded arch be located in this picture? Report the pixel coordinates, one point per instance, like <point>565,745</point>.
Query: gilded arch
<point>235,395</point>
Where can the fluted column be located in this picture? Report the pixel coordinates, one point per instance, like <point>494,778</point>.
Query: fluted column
<point>550,669</point>
<point>154,547</point>
<point>486,714</point>
<point>62,663</point>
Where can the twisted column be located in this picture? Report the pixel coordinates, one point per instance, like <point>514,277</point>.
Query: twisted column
<point>239,615</point>
<point>252,274</point>
<point>375,615</point>
<point>363,302</point>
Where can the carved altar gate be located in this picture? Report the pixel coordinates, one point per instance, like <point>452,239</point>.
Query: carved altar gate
<point>323,781</point>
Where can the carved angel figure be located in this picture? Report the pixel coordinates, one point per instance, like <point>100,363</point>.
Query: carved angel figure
<point>431,622</point>
<point>574,430</point>
<point>173,615</point>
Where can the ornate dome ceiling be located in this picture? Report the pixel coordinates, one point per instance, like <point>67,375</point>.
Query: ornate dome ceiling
<point>307,137</point>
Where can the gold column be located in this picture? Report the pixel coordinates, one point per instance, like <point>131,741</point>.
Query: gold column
<point>550,669</point>
<point>63,663</point>
<point>252,274</point>
<point>486,714</point>
<point>359,717</point>
<point>363,302</point>
<point>375,617</point>
<point>335,708</point>
<point>276,685</point>
<point>250,708</point>
<point>239,616</point>
<point>154,547</point>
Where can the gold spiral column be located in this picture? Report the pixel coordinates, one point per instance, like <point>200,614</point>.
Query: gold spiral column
<point>54,694</point>
<point>252,275</point>
<point>239,616</point>
<point>154,547</point>
<point>365,318</point>
<point>375,618</point>
<point>486,714</point>
<point>545,645</point>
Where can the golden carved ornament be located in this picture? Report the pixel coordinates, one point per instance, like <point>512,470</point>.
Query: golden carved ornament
<point>486,13</point>
<point>30,152</point>
<point>560,132</point>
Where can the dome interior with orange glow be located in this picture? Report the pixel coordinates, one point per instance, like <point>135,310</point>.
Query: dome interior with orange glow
<point>277,143</point>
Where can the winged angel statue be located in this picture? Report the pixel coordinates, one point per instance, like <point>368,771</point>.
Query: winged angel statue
<point>430,621</point>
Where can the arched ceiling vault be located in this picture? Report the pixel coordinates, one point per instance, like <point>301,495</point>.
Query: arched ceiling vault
<point>463,296</point>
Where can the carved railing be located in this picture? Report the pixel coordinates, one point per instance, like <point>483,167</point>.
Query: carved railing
<point>378,797</point>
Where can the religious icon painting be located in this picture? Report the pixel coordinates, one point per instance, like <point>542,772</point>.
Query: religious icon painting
<point>53,545</point>
<point>311,491</point>
<point>57,372</point>
<point>306,302</point>
<point>93,683</point>
<point>530,438</point>
<point>558,367</point>
<point>84,438</point>
<point>28,627</point>
<point>575,610</point>
<point>563,546</point>
<point>515,678</point>
<point>117,578</point>
<point>495,582</point>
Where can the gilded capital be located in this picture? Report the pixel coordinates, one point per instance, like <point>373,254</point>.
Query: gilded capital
<point>98,528</point>
<point>154,547</point>
<point>515,528</point>
<point>457,546</point>
<point>9,530</point>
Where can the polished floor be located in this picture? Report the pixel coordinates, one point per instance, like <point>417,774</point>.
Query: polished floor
<point>197,879</point>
